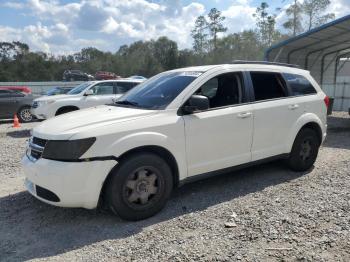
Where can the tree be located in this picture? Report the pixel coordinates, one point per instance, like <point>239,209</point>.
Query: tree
<point>266,24</point>
<point>314,10</point>
<point>215,25</point>
<point>166,52</point>
<point>199,35</point>
<point>294,22</point>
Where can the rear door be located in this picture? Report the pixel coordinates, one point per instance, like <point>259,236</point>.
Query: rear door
<point>103,93</point>
<point>275,113</point>
<point>123,87</point>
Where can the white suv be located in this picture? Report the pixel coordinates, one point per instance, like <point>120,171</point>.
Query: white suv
<point>173,128</point>
<point>85,95</point>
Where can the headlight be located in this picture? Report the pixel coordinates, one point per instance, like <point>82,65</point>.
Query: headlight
<point>67,149</point>
<point>40,103</point>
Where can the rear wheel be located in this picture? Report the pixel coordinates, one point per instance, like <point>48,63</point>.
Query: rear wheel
<point>304,151</point>
<point>24,115</point>
<point>140,186</point>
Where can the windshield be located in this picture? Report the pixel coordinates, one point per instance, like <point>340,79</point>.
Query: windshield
<point>79,88</point>
<point>158,92</point>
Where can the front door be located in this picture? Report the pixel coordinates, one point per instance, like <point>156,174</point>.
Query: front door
<point>220,137</point>
<point>103,93</point>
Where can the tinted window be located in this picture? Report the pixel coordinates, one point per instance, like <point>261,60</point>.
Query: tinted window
<point>124,87</point>
<point>79,88</point>
<point>5,92</point>
<point>268,85</point>
<point>223,90</point>
<point>103,89</point>
<point>10,93</point>
<point>299,85</point>
<point>159,91</point>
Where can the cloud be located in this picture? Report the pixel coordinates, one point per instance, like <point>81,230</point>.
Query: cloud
<point>13,5</point>
<point>339,7</point>
<point>61,26</point>
<point>239,16</point>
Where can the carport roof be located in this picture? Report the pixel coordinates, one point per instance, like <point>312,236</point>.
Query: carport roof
<point>330,38</point>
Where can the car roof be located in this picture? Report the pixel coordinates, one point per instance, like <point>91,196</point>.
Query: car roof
<point>121,80</point>
<point>243,66</point>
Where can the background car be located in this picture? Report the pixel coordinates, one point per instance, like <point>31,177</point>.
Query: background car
<point>88,94</point>
<point>58,91</point>
<point>23,89</point>
<point>137,77</point>
<point>15,102</point>
<point>76,75</point>
<point>104,75</point>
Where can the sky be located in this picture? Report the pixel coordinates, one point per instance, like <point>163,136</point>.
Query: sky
<point>67,26</point>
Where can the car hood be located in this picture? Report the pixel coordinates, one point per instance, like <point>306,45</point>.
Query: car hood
<point>55,97</point>
<point>65,126</point>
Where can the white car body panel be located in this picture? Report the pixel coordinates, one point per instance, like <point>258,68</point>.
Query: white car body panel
<point>200,143</point>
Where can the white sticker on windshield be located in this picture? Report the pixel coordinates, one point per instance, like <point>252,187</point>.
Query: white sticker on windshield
<point>192,73</point>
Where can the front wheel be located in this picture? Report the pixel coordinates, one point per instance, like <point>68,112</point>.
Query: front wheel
<point>140,186</point>
<point>304,151</point>
<point>24,115</point>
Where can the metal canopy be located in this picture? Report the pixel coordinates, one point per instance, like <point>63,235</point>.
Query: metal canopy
<point>322,51</point>
<point>317,50</point>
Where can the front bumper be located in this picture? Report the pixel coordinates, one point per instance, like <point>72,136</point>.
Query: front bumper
<point>76,184</point>
<point>39,113</point>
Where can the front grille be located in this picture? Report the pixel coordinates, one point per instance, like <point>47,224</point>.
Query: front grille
<point>35,104</point>
<point>36,146</point>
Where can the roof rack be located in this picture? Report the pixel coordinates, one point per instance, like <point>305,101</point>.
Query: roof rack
<point>263,63</point>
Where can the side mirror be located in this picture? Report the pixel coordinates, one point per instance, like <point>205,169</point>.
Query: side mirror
<point>196,103</point>
<point>89,92</point>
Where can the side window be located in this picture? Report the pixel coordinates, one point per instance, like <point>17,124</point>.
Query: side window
<point>124,87</point>
<point>299,85</point>
<point>8,93</point>
<point>223,90</point>
<point>268,85</point>
<point>4,93</point>
<point>103,88</point>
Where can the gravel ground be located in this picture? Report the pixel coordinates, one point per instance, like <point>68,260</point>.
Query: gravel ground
<point>264,213</point>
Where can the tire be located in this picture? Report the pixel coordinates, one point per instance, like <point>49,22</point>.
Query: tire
<point>304,151</point>
<point>139,187</point>
<point>24,115</point>
<point>64,111</point>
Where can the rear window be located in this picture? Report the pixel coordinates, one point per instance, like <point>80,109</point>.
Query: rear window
<point>268,85</point>
<point>124,87</point>
<point>299,85</point>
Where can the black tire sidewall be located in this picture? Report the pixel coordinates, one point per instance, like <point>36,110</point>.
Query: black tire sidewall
<point>294,161</point>
<point>119,176</point>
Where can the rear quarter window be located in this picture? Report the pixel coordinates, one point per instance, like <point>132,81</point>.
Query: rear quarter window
<point>299,85</point>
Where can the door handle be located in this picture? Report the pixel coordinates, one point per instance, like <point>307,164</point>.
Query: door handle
<point>292,107</point>
<point>244,115</point>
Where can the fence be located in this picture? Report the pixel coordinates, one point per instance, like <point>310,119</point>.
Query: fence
<point>40,88</point>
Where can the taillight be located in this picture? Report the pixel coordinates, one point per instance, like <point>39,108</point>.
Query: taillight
<point>326,101</point>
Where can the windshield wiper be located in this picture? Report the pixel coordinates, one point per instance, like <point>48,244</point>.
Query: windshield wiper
<point>128,103</point>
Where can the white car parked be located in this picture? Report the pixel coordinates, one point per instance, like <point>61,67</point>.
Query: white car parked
<point>85,95</point>
<point>174,128</point>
